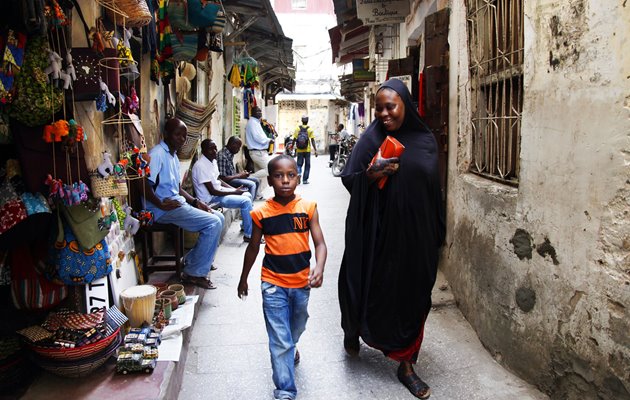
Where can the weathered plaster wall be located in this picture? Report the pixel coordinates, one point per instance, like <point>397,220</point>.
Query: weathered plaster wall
<point>542,271</point>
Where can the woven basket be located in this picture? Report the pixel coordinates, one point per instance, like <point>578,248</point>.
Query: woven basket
<point>77,353</point>
<point>137,12</point>
<point>108,187</point>
<point>81,367</point>
<point>196,116</point>
<point>189,148</point>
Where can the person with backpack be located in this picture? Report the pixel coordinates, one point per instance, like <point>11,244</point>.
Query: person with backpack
<point>303,137</point>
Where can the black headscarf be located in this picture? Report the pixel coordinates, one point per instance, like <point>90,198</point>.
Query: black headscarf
<point>392,235</point>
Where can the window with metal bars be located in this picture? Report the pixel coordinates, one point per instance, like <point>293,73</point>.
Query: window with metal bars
<point>293,105</point>
<point>495,41</point>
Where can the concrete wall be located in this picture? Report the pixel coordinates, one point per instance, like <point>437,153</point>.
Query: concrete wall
<point>542,271</point>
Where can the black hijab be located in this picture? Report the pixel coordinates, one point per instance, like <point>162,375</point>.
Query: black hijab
<point>392,235</point>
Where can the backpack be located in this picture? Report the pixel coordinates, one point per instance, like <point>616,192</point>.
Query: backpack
<point>302,138</point>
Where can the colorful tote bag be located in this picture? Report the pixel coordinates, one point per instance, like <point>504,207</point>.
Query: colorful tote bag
<point>75,265</point>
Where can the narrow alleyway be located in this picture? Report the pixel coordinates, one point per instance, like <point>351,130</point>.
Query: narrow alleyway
<point>228,356</point>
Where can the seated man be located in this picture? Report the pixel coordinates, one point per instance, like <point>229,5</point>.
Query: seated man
<point>171,204</point>
<point>208,186</point>
<point>227,172</point>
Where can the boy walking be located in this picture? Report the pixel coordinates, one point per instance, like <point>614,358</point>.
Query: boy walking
<point>286,221</point>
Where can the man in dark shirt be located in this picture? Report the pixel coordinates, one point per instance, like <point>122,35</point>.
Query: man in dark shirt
<point>227,171</point>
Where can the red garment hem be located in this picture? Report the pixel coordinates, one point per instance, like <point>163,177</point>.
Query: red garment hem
<point>410,353</point>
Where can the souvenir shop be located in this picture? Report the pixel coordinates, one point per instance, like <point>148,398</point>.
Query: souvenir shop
<point>75,248</point>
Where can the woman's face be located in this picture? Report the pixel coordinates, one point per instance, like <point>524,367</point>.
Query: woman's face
<point>390,109</point>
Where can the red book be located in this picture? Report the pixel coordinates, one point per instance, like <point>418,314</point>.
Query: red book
<point>389,148</point>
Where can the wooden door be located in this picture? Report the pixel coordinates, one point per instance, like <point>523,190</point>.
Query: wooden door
<point>436,57</point>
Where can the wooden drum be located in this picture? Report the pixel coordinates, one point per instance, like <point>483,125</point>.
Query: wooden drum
<point>139,303</point>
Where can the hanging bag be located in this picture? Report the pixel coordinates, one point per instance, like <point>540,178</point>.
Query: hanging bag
<point>83,223</point>
<point>29,289</point>
<point>201,15</point>
<point>74,264</point>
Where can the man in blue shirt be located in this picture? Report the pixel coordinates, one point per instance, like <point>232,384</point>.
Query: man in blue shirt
<point>171,204</point>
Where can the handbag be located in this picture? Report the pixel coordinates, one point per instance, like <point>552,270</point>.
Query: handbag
<point>200,15</point>
<point>88,70</point>
<point>29,289</point>
<point>83,223</point>
<point>110,186</point>
<point>35,100</point>
<point>75,265</point>
<point>12,209</point>
<point>184,45</point>
<point>137,12</point>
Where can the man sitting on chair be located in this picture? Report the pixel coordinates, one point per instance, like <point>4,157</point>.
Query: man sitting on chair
<point>227,171</point>
<point>171,204</point>
<point>209,188</point>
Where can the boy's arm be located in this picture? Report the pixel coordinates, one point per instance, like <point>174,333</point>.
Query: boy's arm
<point>316,276</point>
<point>248,261</point>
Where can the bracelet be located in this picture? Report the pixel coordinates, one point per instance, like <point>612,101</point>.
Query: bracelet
<point>195,202</point>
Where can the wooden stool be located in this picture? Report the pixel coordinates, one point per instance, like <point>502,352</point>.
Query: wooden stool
<point>162,262</point>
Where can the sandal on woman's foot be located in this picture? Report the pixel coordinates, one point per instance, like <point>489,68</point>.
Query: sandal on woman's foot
<point>414,384</point>
<point>351,344</point>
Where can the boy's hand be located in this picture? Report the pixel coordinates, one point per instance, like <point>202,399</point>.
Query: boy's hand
<point>316,278</point>
<point>242,289</point>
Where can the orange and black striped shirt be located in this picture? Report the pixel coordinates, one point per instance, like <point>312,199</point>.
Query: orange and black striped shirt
<point>286,230</point>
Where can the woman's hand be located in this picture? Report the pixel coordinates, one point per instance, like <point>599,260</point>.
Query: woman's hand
<point>382,167</point>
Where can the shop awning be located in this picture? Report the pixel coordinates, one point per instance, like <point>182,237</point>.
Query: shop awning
<point>349,40</point>
<point>254,22</point>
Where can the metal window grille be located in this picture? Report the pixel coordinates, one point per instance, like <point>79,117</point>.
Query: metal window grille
<point>293,105</point>
<point>495,35</point>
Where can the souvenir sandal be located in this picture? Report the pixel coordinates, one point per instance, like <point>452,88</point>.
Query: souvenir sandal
<point>414,384</point>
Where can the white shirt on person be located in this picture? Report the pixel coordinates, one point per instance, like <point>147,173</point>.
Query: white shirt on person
<point>205,171</point>
<point>255,137</point>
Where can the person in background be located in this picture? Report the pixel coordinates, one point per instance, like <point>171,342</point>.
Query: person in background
<point>286,221</point>
<point>336,138</point>
<point>303,148</point>
<point>393,236</point>
<point>209,188</point>
<point>227,171</point>
<point>257,143</point>
<point>170,204</point>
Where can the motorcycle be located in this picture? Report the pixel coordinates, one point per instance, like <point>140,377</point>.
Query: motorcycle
<point>345,148</point>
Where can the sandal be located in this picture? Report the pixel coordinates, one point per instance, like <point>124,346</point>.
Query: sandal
<point>414,384</point>
<point>296,359</point>
<point>198,281</point>
<point>351,344</point>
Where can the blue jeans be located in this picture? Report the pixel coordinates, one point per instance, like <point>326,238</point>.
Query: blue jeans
<point>244,202</point>
<point>209,225</point>
<point>251,183</point>
<point>286,313</point>
<point>304,158</point>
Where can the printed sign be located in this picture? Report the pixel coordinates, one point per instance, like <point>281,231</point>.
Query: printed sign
<point>97,295</point>
<point>374,12</point>
<point>406,79</point>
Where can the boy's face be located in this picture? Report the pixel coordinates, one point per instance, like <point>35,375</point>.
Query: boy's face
<point>283,178</point>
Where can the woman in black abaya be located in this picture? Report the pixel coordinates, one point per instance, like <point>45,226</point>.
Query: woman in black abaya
<point>392,236</point>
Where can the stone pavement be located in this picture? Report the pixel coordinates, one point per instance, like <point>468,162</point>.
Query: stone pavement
<point>228,356</point>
